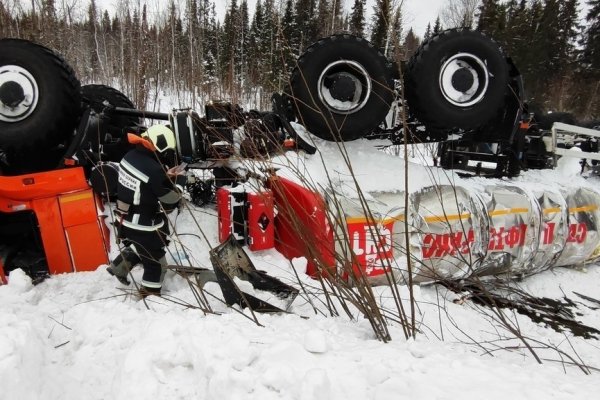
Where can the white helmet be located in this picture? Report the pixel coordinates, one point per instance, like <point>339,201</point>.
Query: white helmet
<point>161,137</point>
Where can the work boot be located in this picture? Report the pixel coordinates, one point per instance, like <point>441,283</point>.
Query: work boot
<point>123,279</point>
<point>120,266</point>
<point>145,291</point>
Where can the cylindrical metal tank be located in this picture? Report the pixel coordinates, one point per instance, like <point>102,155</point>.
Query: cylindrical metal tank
<point>447,233</point>
<point>582,237</point>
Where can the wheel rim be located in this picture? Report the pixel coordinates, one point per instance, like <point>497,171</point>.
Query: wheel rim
<point>344,87</point>
<point>19,93</point>
<point>464,79</point>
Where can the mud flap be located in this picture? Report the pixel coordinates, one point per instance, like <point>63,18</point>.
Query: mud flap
<point>232,267</point>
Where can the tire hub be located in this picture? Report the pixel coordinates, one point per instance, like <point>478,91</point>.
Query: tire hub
<point>344,87</point>
<point>19,93</point>
<point>464,80</point>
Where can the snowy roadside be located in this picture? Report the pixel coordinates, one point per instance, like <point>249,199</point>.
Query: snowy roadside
<point>77,336</point>
<point>80,336</point>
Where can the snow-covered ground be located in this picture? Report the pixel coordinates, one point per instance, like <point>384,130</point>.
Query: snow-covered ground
<point>80,336</point>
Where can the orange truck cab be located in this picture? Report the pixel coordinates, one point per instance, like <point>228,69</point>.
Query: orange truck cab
<point>51,223</point>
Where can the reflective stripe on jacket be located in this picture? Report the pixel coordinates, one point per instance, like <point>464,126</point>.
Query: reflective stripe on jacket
<point>144,185</point>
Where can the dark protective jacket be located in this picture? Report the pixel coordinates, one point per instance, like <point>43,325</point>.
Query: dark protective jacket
<point>143,187</point>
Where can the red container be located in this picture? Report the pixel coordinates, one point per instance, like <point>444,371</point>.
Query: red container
<point>260,221</point>
<point>302,227</point>
<point>224,214</point>
<point>248,215</point>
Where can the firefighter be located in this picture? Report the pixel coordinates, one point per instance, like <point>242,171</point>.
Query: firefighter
<point>146,193</point>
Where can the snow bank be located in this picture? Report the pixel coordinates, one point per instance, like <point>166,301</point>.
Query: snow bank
<point>80,336</point>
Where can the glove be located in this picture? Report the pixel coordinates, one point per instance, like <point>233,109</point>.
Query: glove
<point>177,170</point>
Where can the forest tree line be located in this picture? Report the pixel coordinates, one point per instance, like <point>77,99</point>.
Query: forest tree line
<point>248,54</point>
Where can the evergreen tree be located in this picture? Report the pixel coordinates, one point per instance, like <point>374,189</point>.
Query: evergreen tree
<point>144,54</point>
<point>357,18</point>
<point>325,15</point>
<point>545,39</point>
<point>290,42</point>
<point>590,59</point>
<point>568,32</point>
<point>255,45</point>
<point>381,24</point>
<point>210,46</point>
<point>115,25</point>
<point>291,34</point>
<point>437,28</point>
<point>229,45</point>
<point>337,16</point>
<point>410,45</point>
<point>243,41</point>
<point>591,38</point>
<point>175,48</point>
<point>91,27</point>
<point>563,82</point>
<point>195,41</point>
<point>306,23</point>
<point>105,23</point>
<point>427,32</point>
<point>518,29</point>
<point>512,7</point>
<point>273,42</point>
<point>394,47</point>
<point>489,17</point>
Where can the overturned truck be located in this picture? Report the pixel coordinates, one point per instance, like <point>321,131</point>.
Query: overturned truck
<point>60,144</point>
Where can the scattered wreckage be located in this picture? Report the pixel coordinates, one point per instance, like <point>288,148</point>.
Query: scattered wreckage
<point>60,144</point>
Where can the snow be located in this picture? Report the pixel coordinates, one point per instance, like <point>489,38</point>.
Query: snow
<point>82,335</point>
<point>113,348</point>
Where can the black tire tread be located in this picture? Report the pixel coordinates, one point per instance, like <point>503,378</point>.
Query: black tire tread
<point>417,101</point>
<point>94,95</point>
<point>110,92</point>
<point>61,128</point>
<point>297,78</point>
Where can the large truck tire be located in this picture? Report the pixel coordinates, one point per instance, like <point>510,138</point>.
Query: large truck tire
<point>457,79</point>
<point>40,99</point>
<point>113,137</point>
<point>341,88</point>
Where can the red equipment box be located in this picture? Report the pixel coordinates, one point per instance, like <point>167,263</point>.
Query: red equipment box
<point>248,215</point>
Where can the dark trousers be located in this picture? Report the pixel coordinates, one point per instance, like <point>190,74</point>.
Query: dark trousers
<point>150,247</point>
